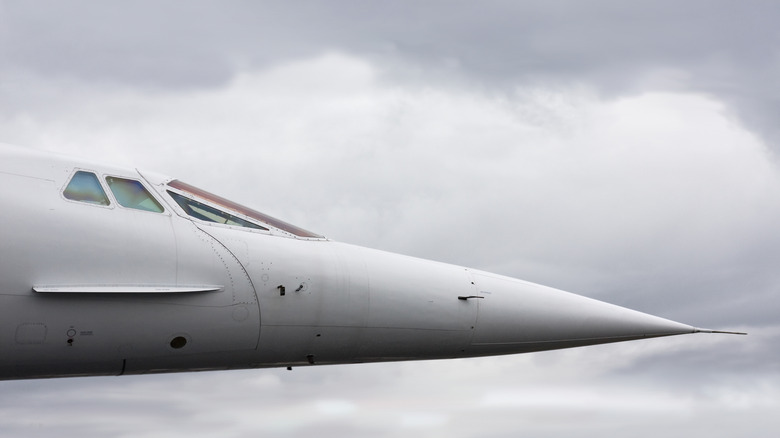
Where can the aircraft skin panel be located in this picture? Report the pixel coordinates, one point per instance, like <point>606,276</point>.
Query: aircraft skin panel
<point>404,305</point>
<point>90,285</point>
<point>518,313</point>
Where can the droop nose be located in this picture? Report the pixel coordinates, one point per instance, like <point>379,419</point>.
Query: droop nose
<point>517,317</point>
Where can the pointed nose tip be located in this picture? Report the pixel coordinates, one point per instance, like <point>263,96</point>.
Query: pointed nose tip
<point>724,332</point>
<point>518,317</point>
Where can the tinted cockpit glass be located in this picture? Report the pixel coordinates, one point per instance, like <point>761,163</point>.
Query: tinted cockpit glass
<point>132,194</point>
<point>85,187</point>
<point>210,214</point>
<point>238,208</point>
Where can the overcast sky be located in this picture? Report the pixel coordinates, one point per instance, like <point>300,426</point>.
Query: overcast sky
<point>626,151</point>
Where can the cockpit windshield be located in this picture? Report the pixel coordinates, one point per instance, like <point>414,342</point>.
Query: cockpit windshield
<point>209,214</point>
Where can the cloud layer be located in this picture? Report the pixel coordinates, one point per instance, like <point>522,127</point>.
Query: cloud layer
<point>619,152</point>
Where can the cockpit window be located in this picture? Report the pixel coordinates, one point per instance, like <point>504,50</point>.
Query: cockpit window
<point>85,187</point>
<point>132,194</point>
<point>238,208</point>
<point>210,214</point>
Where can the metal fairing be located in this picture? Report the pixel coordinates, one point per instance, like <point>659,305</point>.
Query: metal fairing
<point>94,289</point>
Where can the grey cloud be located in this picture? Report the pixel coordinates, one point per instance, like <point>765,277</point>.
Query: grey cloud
<point>170,41</point>
<point>749,360</point>
<point>510,186</point>
<point>463,398</point>
<point>721,47</point>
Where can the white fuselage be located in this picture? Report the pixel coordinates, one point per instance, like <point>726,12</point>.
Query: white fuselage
<point>94,289</point>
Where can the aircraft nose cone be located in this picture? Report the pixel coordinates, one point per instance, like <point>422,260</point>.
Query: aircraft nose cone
<point>517,317</point>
